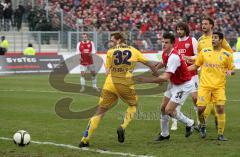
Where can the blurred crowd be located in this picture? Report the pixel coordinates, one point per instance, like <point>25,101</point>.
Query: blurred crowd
<point>9,17</point>
<point>146,19</point>
<point>12,19</point>
<point>150,15</point>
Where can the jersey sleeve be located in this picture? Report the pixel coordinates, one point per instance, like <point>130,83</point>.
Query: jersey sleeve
<point>140,57</point>
<point>77,49</point>
<point>199,48</point>
<point>199,59</point>
<point>108,59</point>
<point>226,46</point>
<point>93,48</point>
<point>195,46</point>
<point>230,62</point>
<point>173,63</point>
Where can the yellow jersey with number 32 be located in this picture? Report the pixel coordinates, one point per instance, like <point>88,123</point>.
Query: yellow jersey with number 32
<point>214,65</point>
<point>121,61</point>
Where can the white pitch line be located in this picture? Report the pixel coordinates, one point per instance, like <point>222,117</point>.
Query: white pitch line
<point>36,91</point>
<point>49,91</point>
<point>84,149</point>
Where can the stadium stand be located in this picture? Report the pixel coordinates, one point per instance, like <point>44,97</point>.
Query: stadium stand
<point>145,19</point>
<point>151,15</point>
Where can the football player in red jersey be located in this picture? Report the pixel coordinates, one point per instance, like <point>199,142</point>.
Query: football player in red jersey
<point>179,87</point>
<point>187,47</point>
<point>86,49</point>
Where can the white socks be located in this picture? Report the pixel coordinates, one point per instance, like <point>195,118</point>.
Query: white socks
<point>178,109</point>
<point>94,81</point>
<point>164,121</point>
<point>182,118</point>
<point>196,111</point>
<point>82,81</point>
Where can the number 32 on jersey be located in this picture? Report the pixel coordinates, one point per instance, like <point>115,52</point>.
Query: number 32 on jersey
<point>122,57</point>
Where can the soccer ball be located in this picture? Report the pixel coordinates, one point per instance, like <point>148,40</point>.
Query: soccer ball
<point>21,138</point>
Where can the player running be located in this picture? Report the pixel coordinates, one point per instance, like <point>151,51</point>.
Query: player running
<point>120,63</point>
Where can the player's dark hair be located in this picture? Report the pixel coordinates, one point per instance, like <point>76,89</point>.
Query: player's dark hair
<point>169,36</point>
<point>211,21</point>
<point>30,45</point>
<point>183,26</point>
<point>220,34</point>
<point>119,36</point>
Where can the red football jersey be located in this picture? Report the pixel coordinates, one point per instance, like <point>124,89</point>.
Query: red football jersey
<point>185,48</point>
<point>175,64</point>
<point>85,50</point>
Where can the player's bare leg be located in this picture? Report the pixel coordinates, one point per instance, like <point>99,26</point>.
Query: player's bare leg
<point>194,99</point>
<point>94,81</point>
<point>221,122</point>
<point>92,125</point>
<point>82,81</point>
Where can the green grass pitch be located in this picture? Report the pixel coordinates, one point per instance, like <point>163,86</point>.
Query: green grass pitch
<point>28,102</point>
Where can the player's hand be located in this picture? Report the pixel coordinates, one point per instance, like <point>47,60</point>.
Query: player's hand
<point>187,59</point>
<point>158,65</point>
<point>157,73</point>
<point>230,72</point>
<point>139,79</point>
<point>107,72</point>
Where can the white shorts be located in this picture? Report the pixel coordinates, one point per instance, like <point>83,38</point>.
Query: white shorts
<point>179,93</point>
<point>84,68</point>
<point>195,82</point>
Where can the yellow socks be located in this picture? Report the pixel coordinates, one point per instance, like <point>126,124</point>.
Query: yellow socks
<point>92,125</point>
<point>210,108</point>
<point>129,116</point>
<point>221,123</point>
<point>202,119</point>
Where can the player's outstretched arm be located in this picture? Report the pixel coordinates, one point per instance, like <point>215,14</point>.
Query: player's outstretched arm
<point>192,67</point>
<point>159,65</point>
<point>162,78</point>
<point>190,59</point>
<point>230,66</point>
<point>152,66</point>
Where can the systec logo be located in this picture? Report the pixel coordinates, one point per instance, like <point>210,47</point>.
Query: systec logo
<point>21,60</point>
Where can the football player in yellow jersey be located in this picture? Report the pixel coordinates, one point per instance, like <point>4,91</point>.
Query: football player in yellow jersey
<point>120,63</point>
<point>205,41</point>
<point>215,62</point>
